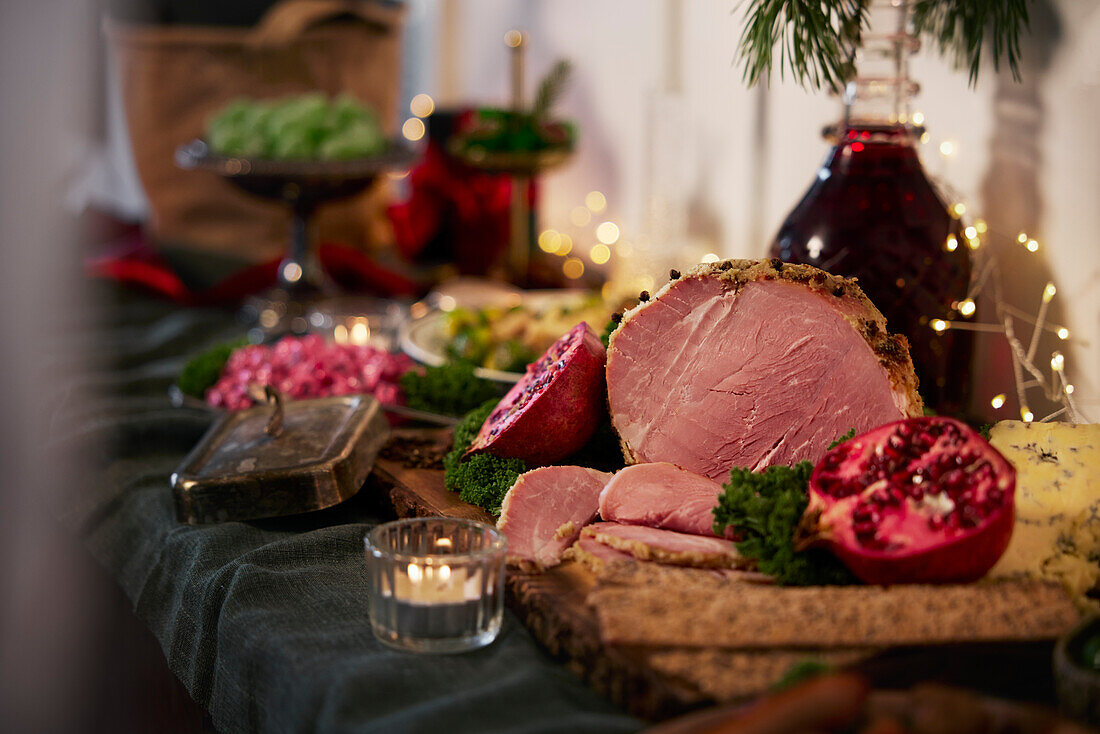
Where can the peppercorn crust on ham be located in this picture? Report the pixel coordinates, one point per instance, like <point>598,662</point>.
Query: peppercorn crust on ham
<point>753,363</point>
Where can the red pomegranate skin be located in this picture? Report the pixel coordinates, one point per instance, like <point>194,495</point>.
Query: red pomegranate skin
<point>554,409</point>
<point>921,500</point>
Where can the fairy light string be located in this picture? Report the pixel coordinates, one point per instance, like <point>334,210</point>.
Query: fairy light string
<point>987,279</point>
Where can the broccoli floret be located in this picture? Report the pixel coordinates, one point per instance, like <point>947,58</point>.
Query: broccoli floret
<point>484,479</point>
<point>481,479</point>
<point>466,431</point>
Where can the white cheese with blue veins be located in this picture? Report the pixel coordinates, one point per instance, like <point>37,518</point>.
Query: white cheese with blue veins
<point>1057,532</point>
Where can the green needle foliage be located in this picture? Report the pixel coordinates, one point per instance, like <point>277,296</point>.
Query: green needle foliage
<point>815,40</point>
<point>551,88</point>
<point>959,26</point>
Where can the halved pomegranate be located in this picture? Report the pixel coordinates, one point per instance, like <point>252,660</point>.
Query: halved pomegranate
<point>922,500</point>
<point>554,409</point>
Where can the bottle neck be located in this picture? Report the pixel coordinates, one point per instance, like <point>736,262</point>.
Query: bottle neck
<point>877,100</point>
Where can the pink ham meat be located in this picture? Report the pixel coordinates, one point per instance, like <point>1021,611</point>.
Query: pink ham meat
<point>661,495</point>
<point>545,509</point>
<point>665,546</point>
<point>753,363</point>
<point>595,555</point>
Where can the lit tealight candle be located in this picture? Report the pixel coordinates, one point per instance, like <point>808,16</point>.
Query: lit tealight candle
<point>436,584</point>
<point>426,583</point>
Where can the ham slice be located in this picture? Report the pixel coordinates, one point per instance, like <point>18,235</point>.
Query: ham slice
<point>545,509</point>
<point>661,495</point>
<point>665,546</point>
<point>595,555</point>
<point>753,363</point>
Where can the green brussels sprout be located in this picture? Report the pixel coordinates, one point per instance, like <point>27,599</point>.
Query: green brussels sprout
<point>306,126</point>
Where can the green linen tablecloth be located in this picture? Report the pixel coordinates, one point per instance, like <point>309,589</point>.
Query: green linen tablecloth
<point>266,623</point>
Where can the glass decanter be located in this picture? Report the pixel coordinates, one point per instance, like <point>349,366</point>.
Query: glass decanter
<point>871,213</point>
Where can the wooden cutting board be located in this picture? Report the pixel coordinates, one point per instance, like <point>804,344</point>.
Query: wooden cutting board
<point>552,604</point>
<point>655,681</point>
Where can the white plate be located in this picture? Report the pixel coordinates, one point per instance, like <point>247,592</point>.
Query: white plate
<point>424,340</point>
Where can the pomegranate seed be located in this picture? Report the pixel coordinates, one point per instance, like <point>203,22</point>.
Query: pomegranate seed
<point>864,528</point>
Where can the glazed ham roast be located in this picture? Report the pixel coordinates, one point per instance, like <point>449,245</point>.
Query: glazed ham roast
<point>661,495</point>
<point>545,509</point>
<point>753,363</point>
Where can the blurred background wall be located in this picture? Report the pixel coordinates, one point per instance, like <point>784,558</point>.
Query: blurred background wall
<point>693,162</point>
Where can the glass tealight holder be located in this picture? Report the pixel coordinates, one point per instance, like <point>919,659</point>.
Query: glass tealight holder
<point>436,584</point>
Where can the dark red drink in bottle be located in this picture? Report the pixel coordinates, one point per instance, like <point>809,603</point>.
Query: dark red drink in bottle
<point>871,213</point>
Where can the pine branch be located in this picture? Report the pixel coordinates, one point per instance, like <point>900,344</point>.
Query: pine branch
<point>816,40</point>
<point>551,88</point>
<point>958,28</point>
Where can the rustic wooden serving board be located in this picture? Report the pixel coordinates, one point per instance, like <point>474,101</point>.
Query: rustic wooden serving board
<point>658,681</point>
<point>552,604</point>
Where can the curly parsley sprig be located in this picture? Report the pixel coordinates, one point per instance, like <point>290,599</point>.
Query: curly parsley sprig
<point>764,508</point>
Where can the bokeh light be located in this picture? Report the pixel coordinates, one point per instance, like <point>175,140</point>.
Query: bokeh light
<point>413,129</point>
<point>580,216</point>
<point>595,201</point>
<point>607,233</point>
<point>549,241</point>
<point>422,105</point>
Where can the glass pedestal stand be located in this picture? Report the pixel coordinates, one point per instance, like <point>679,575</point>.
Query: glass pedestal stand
<point>303,186</point>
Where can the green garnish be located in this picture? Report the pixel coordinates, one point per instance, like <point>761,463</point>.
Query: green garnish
<point>605,337</point>
<point>481,479</point>
<point>1090,652</point>
<point>308,126</point>
<point>203,370</point>
<point>801,671</point>
<point>764,509</point>
<point>846,437</point>
<point>984,430</point>
<point>602,452</point>
<point>450,389</point>
<point>484,479</point>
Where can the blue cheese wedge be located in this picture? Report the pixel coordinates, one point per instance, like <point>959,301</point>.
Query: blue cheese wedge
<point>1057,533</point>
